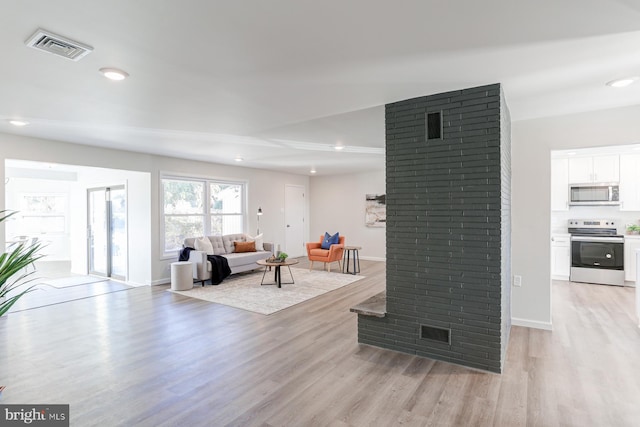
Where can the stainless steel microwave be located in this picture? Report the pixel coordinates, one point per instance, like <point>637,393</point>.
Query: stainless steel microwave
<point>594,194</point>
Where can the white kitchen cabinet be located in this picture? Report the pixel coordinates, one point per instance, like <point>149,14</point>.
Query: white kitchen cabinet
<point>594,169</point>
<point>559,184</point>
<point>580,170</point>
<point>630,182</point>
<point>606,168</point>
<point>561,256</point>
<point>631,243</point>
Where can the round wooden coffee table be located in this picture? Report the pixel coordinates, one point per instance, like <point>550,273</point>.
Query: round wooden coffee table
<point>278,275</point>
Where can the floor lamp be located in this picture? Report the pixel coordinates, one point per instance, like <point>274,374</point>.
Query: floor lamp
<point>259,215</point>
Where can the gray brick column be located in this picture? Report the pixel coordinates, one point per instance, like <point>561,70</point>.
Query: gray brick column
<point>448,202</point>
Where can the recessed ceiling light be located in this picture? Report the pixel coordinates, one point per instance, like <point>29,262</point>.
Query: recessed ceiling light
<point>312,170</point>
<point>339,147</point>
<point>114,74</point>
<point>238,159</point>
<point>18,123</point>
<point>622,82</point>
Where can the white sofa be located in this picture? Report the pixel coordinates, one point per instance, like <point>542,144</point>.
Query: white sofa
<point>223,245</point>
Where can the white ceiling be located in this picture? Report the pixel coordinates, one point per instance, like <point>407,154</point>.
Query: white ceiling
<point>280,82</point>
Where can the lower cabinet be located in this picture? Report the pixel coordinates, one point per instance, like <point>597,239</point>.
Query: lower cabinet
<point>631,243</point>
<point>561,256</point>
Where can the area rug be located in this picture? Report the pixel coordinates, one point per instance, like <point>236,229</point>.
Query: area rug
<point>245,292</point>
<point>65,282</point>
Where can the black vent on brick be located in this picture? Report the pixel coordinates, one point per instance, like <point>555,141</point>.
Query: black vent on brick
<point>434,125</point>
<point>435,334</point>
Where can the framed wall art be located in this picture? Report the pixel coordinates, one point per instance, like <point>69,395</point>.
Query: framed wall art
<point>376,210</point>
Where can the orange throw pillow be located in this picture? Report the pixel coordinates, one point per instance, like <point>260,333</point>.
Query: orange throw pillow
<point>245,246</point>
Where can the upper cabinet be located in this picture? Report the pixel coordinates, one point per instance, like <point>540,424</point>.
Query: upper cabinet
<point>630,182</point>
<point>559,184</point>
<point>594,169</point>
<point>580,170</point>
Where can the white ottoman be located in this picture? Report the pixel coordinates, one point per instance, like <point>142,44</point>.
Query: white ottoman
<point>181,276</point>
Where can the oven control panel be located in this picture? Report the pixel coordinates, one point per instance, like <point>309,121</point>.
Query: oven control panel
<point>592,223</point>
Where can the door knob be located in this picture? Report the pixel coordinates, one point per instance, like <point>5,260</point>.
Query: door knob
<point>288,226</point>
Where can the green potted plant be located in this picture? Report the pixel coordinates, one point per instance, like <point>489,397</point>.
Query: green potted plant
<point>282,256</point>
<point>633,229</point>
<point>13,281</point>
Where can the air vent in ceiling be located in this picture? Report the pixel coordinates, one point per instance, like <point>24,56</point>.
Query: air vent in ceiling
<point>58,45</point>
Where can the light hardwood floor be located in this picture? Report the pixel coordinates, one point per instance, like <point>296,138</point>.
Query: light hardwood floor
<point>147,357</point>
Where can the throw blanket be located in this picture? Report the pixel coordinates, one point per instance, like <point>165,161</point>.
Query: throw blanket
<point>219,265</point>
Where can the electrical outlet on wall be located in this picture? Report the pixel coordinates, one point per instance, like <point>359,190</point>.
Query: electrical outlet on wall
<point>517,281</point>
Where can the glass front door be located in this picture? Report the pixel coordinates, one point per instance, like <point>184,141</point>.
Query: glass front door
<point>107,233</point>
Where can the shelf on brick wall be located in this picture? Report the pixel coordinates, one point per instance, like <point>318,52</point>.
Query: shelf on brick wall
<point>375,306</point>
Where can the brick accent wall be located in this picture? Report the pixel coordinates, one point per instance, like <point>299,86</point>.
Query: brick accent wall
<point>448,229</point>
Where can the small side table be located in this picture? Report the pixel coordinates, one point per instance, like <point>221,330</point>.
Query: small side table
<point>351,251</point>
<point>181,276</point>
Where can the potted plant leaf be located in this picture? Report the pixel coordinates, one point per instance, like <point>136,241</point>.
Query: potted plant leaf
<point>14,280</point>
<point>282,256</point>
<point>633,229</point>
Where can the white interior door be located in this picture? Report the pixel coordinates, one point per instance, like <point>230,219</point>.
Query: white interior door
<point>294,220</point>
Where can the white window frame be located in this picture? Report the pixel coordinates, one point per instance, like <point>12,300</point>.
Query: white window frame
<point>207,215</point>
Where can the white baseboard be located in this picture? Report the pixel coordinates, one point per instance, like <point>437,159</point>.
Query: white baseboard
<point>157,282</point>
<point>372,258</point>
<point>136,284</point>
<point>547,326</point>
<point>560,277</point>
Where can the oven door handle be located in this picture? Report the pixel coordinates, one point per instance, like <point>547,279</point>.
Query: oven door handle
<point>597,239</point>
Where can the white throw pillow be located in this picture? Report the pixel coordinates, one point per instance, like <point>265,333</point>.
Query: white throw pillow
<point>204,244</point>
<point>259,241</point>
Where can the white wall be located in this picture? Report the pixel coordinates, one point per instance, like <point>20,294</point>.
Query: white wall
<point>532,142</point>
<point>338,204</point>
<point>265,188</point>
<point>139,202</point>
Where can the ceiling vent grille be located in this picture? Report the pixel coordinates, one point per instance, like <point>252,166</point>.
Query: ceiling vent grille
<point>58,45</point>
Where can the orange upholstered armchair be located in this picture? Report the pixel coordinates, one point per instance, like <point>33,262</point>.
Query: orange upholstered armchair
<point>334,253</point>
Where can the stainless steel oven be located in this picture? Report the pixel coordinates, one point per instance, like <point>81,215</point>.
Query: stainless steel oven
<point>597,252</point>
